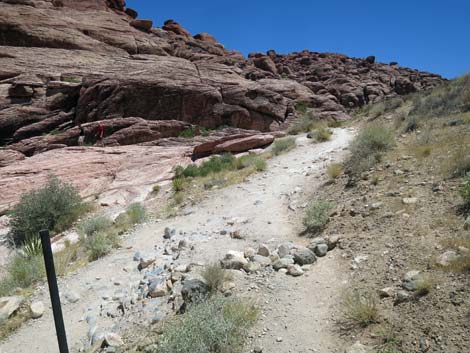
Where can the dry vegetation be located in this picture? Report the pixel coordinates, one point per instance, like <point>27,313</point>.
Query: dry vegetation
<point>415,149</point>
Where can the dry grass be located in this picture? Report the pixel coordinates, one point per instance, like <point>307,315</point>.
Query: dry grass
<point>360,308</point>
<point>9,326</point>
<point>215,276</point>
<point>334,170</point>
<point>283,145</point>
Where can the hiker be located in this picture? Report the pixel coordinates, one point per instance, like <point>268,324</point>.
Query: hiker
<point>81,135</point>
<point>100,132</point>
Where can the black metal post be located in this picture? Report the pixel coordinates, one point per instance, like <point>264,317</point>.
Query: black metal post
<point>54,291</point>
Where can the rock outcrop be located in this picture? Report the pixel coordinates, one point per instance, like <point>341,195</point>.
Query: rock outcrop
<point>90,62</point>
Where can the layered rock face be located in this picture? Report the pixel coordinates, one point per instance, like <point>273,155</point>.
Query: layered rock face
<point>96,62</point>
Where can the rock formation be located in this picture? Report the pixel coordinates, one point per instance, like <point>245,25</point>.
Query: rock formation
<point>90,62</point>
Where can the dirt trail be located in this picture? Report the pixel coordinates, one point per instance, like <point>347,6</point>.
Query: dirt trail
<point>297,312</point>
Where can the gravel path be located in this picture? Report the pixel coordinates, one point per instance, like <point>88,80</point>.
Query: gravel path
<point>297,312</point>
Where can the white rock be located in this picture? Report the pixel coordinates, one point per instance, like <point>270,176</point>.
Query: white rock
<point>410,200</point>
<point>37,309</point>
<point>8,305</point>
<point>113,340</point>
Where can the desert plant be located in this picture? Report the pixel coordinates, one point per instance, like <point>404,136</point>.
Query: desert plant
<point>218,325</point>
<point>177,184</point>
<point>465,189</point>
<point>424,285</point>
<point>334,123</point>
<point>283,145</point>
<point>450,97</point>
<point>215,275</point>
<point>55,207</point>
<point>136,213</point>
<point>156,189</point>
<point>188,133</point>
<point>22,272</point>
<point>458,164</point>
<point>367,147</point>
<point>94,225</point>
<point>32,246</point>
<point>360,308</point>
<point>250,160</point>
<point>317,216</point>
<point>334,170</point>
<point>98,246</point>
<point>321,134</point>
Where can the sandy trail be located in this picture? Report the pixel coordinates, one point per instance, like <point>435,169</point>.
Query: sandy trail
<point>297,312</point>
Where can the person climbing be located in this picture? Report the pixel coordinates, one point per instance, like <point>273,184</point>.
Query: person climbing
<point>100,133</point>
<point>81,135</point>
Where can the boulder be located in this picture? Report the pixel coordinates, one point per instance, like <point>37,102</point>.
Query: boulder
<point>266,63</point>
<point>234,260</point>
<point>205,37</point>
<point>244,144</point>
<point>411,280</point>
<point>282,263</point>
<point>9,305</point>
<point>144,25</point>
<point>37,309</point>
<point>447,258</point>
<point>294,270</point>
<point>158,288</point>
<point>304,256</point>
<point>263,250</point>
<point>194,291</point>
<point>175,27</point>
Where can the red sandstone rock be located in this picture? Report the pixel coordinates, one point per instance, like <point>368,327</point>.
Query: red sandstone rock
<point>144,25</point>
<point>175,27</point>
<point>244,144</point>
<point>206,37</point>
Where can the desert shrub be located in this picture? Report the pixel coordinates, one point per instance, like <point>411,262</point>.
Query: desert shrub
<point>22,272</point>
<point>321,134</point>
<point>260,164</point>
<point>465,189</point>
<point>250,160</point>
<point>360,308</point>
<point>94,225</point>
<point>334,170</point>
<point>450,97</point>
<point>177,184</point>
<point>136,213</point>
<point>301,107</point>
<point>98,246</point>
<point>301,124</point>
<point>411,124</point>
<point>424,285</point>
<point>156,189</point>
<point>317,216</point>
<point>458,164</point>
<point>219,325</point>
<point>334,123</point>
<point>178,197</point>
<point>188,133</point>
<point>423,151</point>
<point>215,276</point>
<point>283,145</point>
<point>55,207</point>
<point>375,110</point>
<point>367,147</point>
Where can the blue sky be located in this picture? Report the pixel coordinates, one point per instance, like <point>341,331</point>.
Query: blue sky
<point>431,35</point>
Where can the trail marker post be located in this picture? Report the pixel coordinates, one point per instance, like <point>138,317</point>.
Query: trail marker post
<point>54,291</point>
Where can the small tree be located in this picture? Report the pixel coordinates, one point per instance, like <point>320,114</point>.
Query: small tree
<point>55,207</point>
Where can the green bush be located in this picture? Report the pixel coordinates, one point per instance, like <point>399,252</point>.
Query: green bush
<point>219,325</point>
<point>367,147</point>
<point>251,160</point>
<point>22,272</point>
<point>137,213</point>
<point>98,246</point>
<point>283,145</point>
<point>465,189</point>
<point>317,216</point>
<point>301,124</point>
<point>94,225</point>
<point>177,184</point>
<point>55,207</point>
<point>188,133</point>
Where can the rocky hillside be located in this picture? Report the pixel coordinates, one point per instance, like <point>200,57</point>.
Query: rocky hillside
<point>65,62</point>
